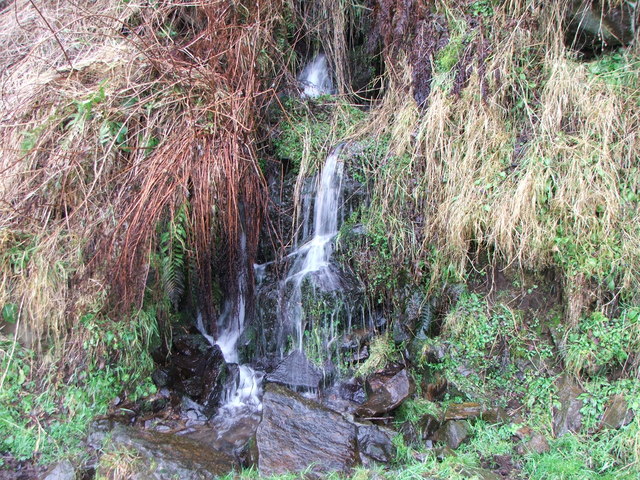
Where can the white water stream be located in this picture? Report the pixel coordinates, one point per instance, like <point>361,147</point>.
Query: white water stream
<point>313,256</point>
<point>245,391</point>
<point>315,78</point>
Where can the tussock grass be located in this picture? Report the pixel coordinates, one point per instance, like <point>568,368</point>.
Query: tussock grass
<point>534,161</point>
<point>114,115</point>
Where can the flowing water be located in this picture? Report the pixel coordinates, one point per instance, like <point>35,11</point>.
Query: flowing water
<point>315,78</point>
<point>312,258</point>
<point>245,389</point>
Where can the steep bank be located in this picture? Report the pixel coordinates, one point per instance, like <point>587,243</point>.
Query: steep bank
<point>489,236</point>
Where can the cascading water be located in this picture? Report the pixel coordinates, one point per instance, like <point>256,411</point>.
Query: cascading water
<point>245,390</point>
<point>315,78</point>
<point>312,258</point>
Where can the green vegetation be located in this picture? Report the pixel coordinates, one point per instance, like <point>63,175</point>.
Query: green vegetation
<point>46,414</point>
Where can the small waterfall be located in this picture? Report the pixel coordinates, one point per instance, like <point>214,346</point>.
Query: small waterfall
<point>312,258</point>
<point>315,78</point>
<point>244,390</point>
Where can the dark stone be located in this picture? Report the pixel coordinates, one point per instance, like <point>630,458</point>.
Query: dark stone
<point>63,470</point>
<point>197,369</point>
<point>165,456</point>
<point>192,412</point>
<point>435,352</point>
<point>192,386</point>
<point>353,391</point>
<point>617,413</point>
<point>471,411</point>
<point>232,433</point>
<point>98,430</point>
<point>386,391</point>
<point>401,333</point>
<point>214,375</point>
<point>409,433</point>
<point>429,425</point>
<point>161,377</point>
<point>297,433</point>
<point>296,371</point>
<point>374,443</point>
<point>452,433</point>
<point>567,417</point>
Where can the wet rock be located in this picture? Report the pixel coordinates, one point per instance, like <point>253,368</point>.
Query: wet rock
<point>434,352</point>
<point>192,387</point>
<point>429,425</point>
<point>617,413</point>
<point>232,432</point>
<point>567,417</point>
<point>296,371</point>
<point>471,410</point>
<point>409,433</point>
<point>192,412</point>
<point>452,433</point>
<point>98,431</point>
<point>374,443</point>
<point>296,433</point>
<point>386,391</point>
<point>197,369</point>
<point>161,377</point>
<point>353,391</point>
<point>166,456</point>
<point>214,374</point>
<point>64,470</point>
<point>533,442</point>
<point>401,333</point>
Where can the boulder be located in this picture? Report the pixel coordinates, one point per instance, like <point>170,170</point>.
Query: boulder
<point>452,433</point>
<point>617,413</point>
<point>63,470</point>
<point>429,425</point>
<point>166,456</point>
<point>297,433</point>
<point>297,372</point>
<point>567,416</point>
<point>386,390</point>
<point>197,369</point>
<point>375,444</point>
<point>533,442</point>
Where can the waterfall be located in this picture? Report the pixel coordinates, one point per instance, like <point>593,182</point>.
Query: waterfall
<point>312,258</point>
<point>315,78</point>
<point>245,388</point>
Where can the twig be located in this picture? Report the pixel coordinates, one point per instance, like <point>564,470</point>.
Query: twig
<point>55,35</point>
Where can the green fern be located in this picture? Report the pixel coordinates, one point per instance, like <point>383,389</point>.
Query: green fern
<point>173,259</point>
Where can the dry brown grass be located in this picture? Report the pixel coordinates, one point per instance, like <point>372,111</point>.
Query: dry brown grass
<point>88,90</point>
<point>533,150</point>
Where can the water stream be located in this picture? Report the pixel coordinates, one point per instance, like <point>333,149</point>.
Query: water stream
<point>312,257</point>
<point>315,78</point>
